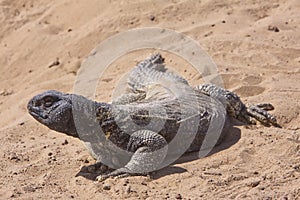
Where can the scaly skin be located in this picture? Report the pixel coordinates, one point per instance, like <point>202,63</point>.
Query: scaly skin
<point>132,134</point>
<point>54,109</point>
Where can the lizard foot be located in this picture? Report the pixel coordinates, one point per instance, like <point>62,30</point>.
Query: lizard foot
<point>119,173</point>
<point>259,112</point>
<point>149,151</point>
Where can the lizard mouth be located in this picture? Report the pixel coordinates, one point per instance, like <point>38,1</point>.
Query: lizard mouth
<point>36,113</point>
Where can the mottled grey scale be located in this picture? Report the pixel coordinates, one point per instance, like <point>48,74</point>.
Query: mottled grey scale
<point>230,99</point>
<point>158,119</point>
<point>237,109</point>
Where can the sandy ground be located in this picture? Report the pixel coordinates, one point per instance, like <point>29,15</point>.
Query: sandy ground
<point>256,45</point>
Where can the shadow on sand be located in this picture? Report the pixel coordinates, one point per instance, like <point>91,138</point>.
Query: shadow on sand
<point>232,137</point>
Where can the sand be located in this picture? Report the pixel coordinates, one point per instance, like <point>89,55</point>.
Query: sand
<point>255,44</point>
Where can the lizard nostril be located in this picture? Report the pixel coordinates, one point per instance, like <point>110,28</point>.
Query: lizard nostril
<point>32,104</point>
<point>29,105</point>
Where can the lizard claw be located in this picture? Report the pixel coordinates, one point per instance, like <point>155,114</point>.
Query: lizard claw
<point>116,174</point>
<point>265,106</point>
<point>102,177</point>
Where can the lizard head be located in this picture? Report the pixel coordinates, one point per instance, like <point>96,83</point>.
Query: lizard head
<point>54,110</point>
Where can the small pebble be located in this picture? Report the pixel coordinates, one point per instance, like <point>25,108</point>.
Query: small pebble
<point>65,142</point>
<point>152,17</point>
<point>6,92</point>
<point>273,28</point>
<point>254,183</point>
<point>128,189</point>
<point>54,63</point>
<point>106,187</point>
<point>178,196</point>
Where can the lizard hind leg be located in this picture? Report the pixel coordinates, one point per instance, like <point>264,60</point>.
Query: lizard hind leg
<point>237,109</point>
<point>233,104</point>
<point>149,151</point>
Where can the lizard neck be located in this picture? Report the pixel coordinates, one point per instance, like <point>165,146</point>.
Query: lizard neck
<point>106,120</point>
<point>85,118</point>
<point>106,117</point>
<point>95,122</point>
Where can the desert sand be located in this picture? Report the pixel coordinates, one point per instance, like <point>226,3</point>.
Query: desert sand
<point>255,44</point>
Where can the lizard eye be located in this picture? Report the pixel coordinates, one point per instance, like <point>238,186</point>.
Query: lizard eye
<point>48,101</point>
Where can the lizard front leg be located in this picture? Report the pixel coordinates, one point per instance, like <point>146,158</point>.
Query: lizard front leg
<point>150,150</point>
